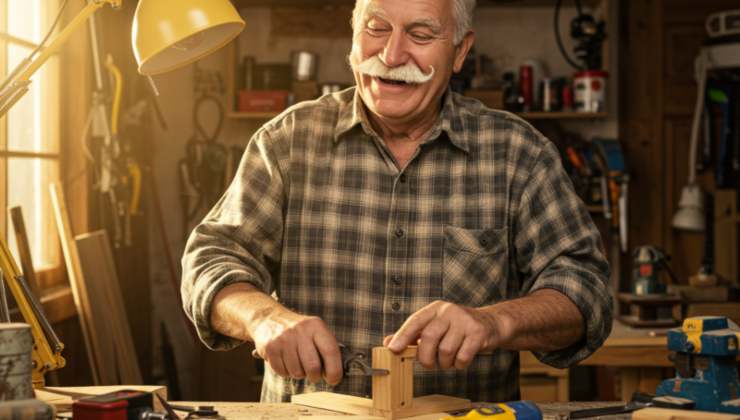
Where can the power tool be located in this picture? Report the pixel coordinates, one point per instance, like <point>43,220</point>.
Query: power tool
<point>647,265</point>
<point>705,355</point>
<point>650,306</point>
<point>514,410</point>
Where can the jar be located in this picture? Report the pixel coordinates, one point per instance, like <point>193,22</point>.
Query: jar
<point>589,88</point>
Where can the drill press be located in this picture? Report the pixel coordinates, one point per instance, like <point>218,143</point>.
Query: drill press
<point>706,350</point>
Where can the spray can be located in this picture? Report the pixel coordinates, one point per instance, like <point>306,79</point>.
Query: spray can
<point>525,86</point>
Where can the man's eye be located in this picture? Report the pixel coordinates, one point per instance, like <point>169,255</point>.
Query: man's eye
<point>376,30</point>
<point>420,36</point>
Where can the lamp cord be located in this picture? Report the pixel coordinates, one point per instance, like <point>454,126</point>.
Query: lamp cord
<point>50,31</point>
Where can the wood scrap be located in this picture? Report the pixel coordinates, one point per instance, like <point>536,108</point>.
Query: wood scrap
<point>99,269</point>
<point>652,413</point>
<point>77,283</point>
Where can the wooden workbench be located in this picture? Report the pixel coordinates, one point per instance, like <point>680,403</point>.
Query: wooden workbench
<point>641,355</point>
<point>287,411</point>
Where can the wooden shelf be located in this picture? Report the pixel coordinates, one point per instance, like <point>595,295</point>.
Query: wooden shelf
<point>562,115</point>
<point>252,115</point>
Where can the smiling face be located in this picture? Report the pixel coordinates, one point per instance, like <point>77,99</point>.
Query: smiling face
<point>400,33</point>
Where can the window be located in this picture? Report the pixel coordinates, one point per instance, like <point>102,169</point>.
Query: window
<point>29,133</point>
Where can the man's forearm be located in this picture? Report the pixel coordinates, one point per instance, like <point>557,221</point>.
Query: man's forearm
<point>546,320</point>
<point>238,308</point>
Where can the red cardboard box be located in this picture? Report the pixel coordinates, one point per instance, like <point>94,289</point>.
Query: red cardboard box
<point>263,100</point>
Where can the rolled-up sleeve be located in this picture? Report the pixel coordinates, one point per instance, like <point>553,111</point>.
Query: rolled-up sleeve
<point>239,240</point>
<point>558,247</point>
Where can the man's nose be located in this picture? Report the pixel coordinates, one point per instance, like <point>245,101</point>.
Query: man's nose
<point>395,53</point>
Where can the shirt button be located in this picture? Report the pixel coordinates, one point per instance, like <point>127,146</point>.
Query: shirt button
<point>396,306</point>
<point>483,242</point>
<point>399,233</point>
<point>402,179</point>
<point>396,279</point>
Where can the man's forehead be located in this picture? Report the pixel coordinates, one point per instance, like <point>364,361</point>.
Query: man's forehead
<point>430,11</point>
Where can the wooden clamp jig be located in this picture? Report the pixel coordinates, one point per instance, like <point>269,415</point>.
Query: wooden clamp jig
<point>393,394</point>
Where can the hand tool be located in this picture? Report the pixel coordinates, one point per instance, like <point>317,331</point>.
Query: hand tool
<point>200,412</point>
<point>705,352</point>
<point>513,410</point>
<point>353,363</point>
<point>639,400</point>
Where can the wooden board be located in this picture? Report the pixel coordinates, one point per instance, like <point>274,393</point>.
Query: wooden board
<point>349,404</point>
<point>671,414</point>
<point>99,269</point>
<point>77,284</point>
<point>24,250</point>
<point>432,416</point>
<point>62,397</point>
<point>341,403</point>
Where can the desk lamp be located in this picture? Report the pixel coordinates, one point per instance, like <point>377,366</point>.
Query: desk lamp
<point>165,35</point>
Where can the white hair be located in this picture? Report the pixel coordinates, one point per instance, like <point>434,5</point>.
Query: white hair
<point>462,11</point>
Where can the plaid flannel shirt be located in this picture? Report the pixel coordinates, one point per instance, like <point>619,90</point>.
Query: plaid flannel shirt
<point>320,216</point>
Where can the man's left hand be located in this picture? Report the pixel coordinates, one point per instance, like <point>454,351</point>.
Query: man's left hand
<point>447,334</point>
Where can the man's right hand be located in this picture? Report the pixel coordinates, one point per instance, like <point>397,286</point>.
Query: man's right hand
<point>298,346</point>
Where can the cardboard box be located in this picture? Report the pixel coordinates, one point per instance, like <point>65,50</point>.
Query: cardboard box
<point>263,100</point>
<point>492,98</point>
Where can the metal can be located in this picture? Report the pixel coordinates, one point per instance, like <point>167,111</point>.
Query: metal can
<point>547,95</point>
<point>590,91</point>
<point>16,344</point>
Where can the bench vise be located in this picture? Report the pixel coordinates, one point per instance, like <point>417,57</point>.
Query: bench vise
<point>705,352</point>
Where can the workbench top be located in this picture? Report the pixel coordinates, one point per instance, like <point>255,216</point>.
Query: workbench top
<point>287,411</point>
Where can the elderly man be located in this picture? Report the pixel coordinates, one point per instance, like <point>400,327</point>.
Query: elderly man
<point>397,212</point>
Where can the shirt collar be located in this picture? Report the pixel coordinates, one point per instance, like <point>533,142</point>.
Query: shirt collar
<point>352,114</point>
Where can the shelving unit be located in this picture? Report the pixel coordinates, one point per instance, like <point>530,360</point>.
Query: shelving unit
<point>525,115</point>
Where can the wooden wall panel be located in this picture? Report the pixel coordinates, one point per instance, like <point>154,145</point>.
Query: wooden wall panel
<point>660,40</point>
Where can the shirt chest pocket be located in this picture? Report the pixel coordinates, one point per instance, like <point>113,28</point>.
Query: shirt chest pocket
<point>474,266</point>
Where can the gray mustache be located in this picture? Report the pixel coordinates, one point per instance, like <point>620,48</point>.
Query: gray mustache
<point>409,72</point>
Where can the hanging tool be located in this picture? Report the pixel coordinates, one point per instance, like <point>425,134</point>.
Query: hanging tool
<point>705,351</point>
<point>202,172</point>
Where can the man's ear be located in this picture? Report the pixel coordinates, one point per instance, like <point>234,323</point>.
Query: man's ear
<point>461,51</point>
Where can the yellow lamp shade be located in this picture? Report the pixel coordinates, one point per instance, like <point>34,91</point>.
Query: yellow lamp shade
<point>167,34</point>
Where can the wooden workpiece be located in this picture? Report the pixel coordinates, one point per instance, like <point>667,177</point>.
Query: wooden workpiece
<point>393,394</point>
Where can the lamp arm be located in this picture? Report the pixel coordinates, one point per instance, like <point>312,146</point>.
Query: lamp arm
<point>701,65</point>
<point>13,91</point>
